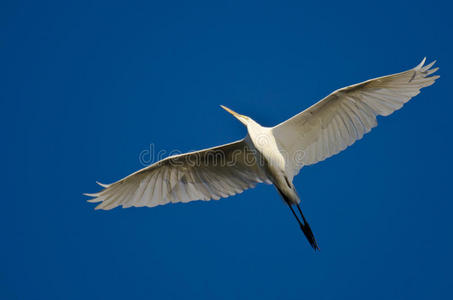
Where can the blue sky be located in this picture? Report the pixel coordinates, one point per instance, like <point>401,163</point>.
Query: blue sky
<point>87,86</point>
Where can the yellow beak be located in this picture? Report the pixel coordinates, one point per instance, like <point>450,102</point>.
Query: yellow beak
<point>235,114</point>
<point>238,116</point>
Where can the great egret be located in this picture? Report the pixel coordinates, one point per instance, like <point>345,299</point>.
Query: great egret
<point>270,154</point>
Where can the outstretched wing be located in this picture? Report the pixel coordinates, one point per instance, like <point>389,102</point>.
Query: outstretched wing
<point>344,116</point>
<point>202,175</point>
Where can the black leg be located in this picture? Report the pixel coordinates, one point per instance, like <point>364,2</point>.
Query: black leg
<point>295,215</point>
<point>300,211</point>
<point>307,230</point>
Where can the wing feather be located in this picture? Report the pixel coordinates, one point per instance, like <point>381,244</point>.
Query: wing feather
<point>345,115</point>
<point>212,173</point>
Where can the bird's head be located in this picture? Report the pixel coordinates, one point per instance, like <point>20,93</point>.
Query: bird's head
<point>244,119</point>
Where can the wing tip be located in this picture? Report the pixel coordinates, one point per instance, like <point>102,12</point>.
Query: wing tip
<point>103,184</point>
<point>104,206</point>
<point>420,65</point>
<point>424,68</point>
<point>99,207</point>
<point>94,199</point>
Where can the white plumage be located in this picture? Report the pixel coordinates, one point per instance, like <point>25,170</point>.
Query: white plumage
<point>201,175</point>
<point>272,155</point>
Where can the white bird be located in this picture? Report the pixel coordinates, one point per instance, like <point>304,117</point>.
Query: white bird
<point>270,154</point>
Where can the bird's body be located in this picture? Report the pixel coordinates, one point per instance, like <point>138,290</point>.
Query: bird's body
<point>271,159</point>
<point>270,154</point>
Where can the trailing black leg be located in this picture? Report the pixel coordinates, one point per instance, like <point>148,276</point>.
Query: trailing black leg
<point>303,225</point>
<point>295,215</point>
<point>307,230</point>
